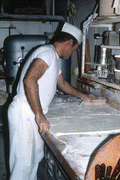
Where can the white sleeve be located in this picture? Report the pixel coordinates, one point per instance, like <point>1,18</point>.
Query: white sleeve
<point>60,71</point>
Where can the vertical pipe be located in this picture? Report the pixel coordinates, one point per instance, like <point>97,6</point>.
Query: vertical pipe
<point>68,14</point>
<point>53,13</point>
<point>83,50</point>
<point>53,7</point>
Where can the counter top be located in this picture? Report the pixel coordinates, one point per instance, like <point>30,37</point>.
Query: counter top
<point>78,131</point>
<point>73,117</point>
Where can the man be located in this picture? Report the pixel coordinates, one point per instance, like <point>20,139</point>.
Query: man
<point>36,88</point>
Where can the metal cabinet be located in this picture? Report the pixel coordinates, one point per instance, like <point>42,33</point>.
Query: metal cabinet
<point>52,167</point>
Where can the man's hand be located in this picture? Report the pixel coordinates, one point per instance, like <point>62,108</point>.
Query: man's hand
<point>68,89</point>
<point>43,124</point>
<point>84,97</point>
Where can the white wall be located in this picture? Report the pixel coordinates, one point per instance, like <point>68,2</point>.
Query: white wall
<point>24,27</point>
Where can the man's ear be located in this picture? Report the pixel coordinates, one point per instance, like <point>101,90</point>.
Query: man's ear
<point>70,42</point>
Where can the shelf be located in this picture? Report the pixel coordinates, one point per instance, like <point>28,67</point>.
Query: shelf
<point>110,47</point>
<point>102,82</point>
<point>95,64</point>
<point>106,20</point>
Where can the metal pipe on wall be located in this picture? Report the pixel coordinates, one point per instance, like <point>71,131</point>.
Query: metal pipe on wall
<point>48,6</point>
<point>53,7</point>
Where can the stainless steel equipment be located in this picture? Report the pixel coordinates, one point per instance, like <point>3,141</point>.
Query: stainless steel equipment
<point>104,55</point>
<point>16,47</point>
<point>111,38</point>
<point>106,66</point>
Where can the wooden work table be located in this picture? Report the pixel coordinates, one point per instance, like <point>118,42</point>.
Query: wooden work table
<point>77,132</point>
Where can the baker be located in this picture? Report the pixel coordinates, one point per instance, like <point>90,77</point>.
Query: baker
<point>40,76</point>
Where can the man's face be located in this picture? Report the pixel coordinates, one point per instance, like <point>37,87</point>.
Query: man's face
<point>69,49</point>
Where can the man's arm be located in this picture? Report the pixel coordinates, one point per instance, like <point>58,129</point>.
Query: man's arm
<point>35,71</point>
<point>68,89</point>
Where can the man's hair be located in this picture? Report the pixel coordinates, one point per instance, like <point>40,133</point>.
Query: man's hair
<point>62,37</point>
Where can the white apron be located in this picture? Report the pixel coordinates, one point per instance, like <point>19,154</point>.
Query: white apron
<point>26,144</point>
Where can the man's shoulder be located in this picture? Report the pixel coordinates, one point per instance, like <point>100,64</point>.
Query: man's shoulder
<point>47,47</point>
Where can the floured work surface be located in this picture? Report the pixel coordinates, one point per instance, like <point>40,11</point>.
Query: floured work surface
<point>82,130</point>
<point>72,118</point>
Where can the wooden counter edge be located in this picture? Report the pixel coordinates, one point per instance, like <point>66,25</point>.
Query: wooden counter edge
<point>55,146</point>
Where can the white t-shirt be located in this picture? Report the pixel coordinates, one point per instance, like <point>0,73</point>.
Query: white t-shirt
<point>48,82</point>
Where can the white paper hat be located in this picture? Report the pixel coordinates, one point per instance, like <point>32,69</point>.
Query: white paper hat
<point>117,56</point>
<point>73,30</point>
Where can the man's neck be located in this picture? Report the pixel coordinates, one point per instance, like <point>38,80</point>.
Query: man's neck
<point>59,46</point>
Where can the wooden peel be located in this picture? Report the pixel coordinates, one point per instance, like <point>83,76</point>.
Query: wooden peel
<point>97,172</point>
<point>108,172</point>
<point>116,170</point>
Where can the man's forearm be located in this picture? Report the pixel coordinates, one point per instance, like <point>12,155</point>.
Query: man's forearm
<point>68,89</point>
<point>31,90</point>
<point>35,72</point>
